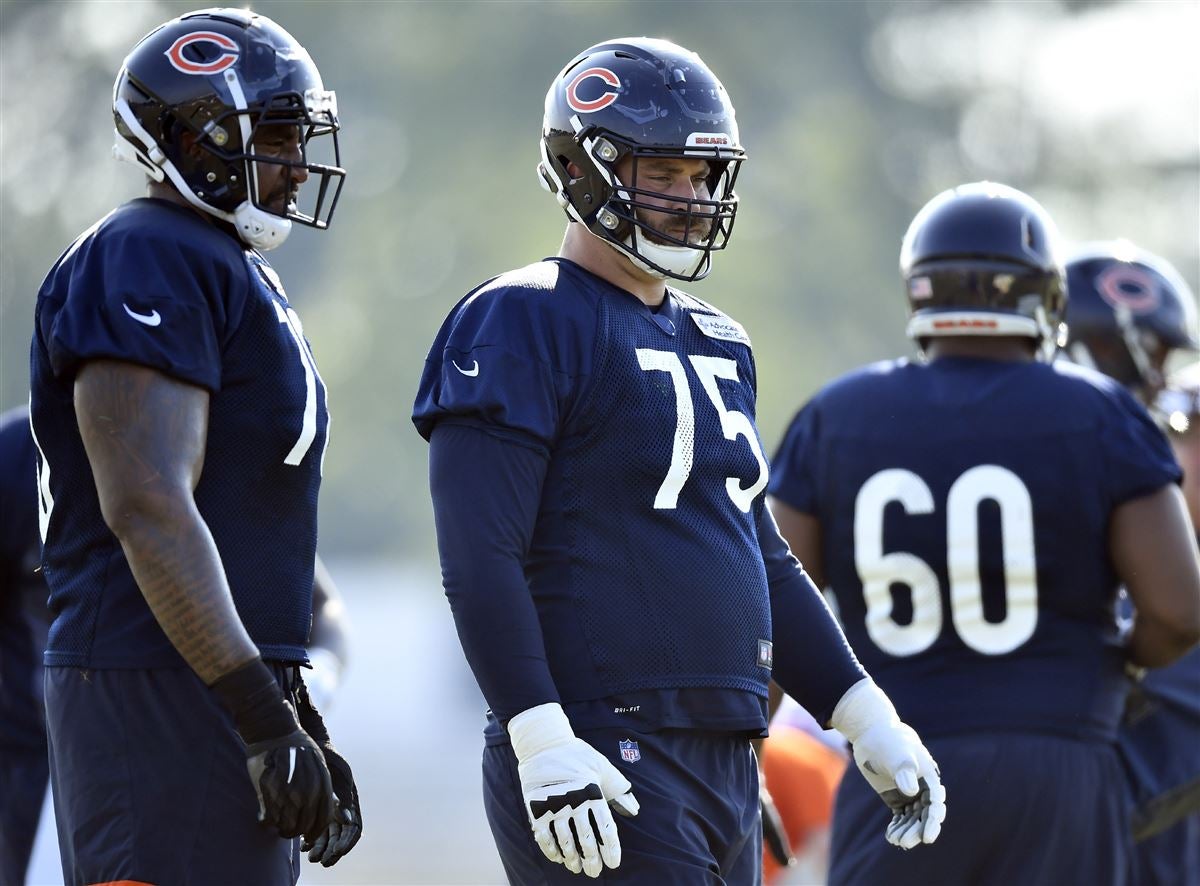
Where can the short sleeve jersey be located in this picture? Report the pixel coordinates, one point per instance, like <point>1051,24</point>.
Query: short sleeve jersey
<point>964,508</point>
<point>645,566</point>
<point>156,285</point>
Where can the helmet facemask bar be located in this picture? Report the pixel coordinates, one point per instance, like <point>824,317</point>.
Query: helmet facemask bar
<point>707,223</point>
<point>315,116</point>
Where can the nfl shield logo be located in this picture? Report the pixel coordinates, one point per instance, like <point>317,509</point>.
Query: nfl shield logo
<point>629,751</point>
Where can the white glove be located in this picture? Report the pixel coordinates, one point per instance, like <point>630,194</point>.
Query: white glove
<point>566,781</point>
<point>894,762</point>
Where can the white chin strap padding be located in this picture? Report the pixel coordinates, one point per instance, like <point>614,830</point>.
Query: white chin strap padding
<point>262,230</point>
<point>681,260</point>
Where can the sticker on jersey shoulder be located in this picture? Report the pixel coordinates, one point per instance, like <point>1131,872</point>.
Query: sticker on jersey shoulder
<point>223,60</point>
<point>766,654</point>
<point>588,105</point>
<point>722,327</point>
<point>630,752</point>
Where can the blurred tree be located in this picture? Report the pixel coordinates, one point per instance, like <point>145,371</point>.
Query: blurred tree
<point>853,115</point>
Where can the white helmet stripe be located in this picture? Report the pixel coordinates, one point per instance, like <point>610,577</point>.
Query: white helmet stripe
<point>239,102</point>
<point>929,323</point>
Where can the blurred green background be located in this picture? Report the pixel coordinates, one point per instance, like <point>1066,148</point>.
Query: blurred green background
<point>853,114</point>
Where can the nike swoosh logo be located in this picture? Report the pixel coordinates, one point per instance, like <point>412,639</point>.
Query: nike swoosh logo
<point>151,319</point>
<point>470,373</point>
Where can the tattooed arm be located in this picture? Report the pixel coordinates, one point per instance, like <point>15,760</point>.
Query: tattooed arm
<point>145,435</point>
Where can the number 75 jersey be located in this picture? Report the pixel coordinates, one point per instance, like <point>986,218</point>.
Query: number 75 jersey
<point>645,565</point>
<point>964,508</point>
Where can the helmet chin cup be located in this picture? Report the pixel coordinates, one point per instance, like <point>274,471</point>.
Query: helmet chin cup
<point>259,229</point>
<point>665,261</point>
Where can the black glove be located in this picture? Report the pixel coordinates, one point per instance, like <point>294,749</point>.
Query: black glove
<point>345,827</point>
<point>775,838</point>
<point>287,769</point>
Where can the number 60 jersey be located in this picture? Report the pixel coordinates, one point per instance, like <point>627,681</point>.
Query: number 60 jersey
<point>156,284</point>
<point>645,565</point>
<point>964,509</point>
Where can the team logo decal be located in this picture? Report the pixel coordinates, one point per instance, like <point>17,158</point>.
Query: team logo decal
<point>709,139</point>
<point>920,288</point>
<point>630,752</point>
<point>721,327</point>
<point>1126,286</point>
<point>606,99</point>
<point>220,63</point>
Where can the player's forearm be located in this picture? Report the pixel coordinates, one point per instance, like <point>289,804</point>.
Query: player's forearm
<point>1154,552</point>
<point>145,435</point>
<point>485,495</point>
<point>177,568</point>
<point>816,666</point>
<point>1156,644</point>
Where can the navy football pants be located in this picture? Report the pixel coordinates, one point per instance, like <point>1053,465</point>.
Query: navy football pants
<point>1020,809</point>
<point>149,783</point>
<point>699,820</point>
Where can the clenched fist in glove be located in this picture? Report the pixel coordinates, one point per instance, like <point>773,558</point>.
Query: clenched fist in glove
<point>287,769</point>
<point>894,762</point>
<point>568,786</point>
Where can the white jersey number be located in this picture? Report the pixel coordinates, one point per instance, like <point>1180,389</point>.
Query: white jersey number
<point>44,499</point>
<point>308,363</point>
<point>879,571</point>
<point>734,424</point>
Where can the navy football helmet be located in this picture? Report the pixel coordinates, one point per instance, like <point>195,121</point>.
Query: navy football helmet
<point>216,76</point>
<point>1129,310</point>
<point>983,259</point>
<point>646,98</point>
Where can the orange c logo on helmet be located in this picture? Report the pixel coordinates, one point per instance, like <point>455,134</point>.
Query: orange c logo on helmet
<point>1127,286</point>
<point>220,63</point>
<point>586,107</point>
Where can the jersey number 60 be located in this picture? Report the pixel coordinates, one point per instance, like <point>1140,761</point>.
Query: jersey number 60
<point>879,571</point>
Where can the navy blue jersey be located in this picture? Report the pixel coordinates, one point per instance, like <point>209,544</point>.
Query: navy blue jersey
<point>23,613</point>
<point>964,508</point>
<point>155,284</point>
<point>645,565</point>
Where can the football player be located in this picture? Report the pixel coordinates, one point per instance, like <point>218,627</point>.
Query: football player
<point>597,480</point>
<point>974,514</point>
<point>1130,312</point>
<point>24,620</point>
<point>184,747</point>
